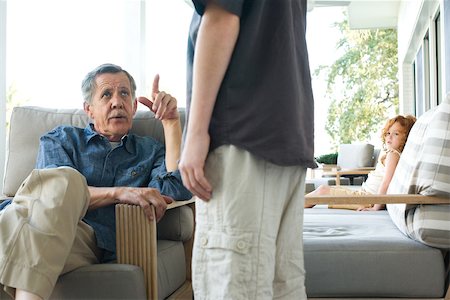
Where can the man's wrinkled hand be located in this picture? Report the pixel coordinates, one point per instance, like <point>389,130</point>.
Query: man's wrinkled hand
<point>145,198</point>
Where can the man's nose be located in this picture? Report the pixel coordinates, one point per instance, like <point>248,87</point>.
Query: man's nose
<point>116,101</point>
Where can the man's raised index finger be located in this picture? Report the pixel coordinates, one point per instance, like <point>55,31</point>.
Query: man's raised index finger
<point>155,88</point>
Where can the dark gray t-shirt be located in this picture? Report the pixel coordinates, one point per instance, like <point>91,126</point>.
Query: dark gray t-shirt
<point>265,103</point>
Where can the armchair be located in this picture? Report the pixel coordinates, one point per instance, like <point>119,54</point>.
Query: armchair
<point>353,161</point>
<point>153,259</point>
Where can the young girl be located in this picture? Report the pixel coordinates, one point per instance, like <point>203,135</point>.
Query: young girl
<point>394,136</point>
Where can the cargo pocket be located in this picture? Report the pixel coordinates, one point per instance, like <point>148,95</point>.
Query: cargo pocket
<point>222,264</point>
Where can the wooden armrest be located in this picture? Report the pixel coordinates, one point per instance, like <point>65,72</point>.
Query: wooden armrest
<point>136,243</point>
<point>376,199</point>
<point>136,238</point>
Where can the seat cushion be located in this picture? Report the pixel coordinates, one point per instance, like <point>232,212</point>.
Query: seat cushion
<point>424,168</point>
<point>120,281</point>
<point>102,281</point>
<point>347,251</point>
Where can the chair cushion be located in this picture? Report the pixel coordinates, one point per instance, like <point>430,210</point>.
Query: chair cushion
<point>352,156</point>
<point>28,124</point>
<point>424,168</point>
<point>101,281</point>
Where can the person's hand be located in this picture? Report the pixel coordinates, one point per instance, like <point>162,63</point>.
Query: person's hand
<point>373,208</point>
<point>145,198</point>
<point>163,105</point>
<point>192,165</point>
<point>362,208</point>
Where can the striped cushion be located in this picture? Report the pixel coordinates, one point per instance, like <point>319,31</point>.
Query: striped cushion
<point>424,168</point>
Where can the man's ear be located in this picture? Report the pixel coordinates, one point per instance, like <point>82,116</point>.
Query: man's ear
<point>87,109</point>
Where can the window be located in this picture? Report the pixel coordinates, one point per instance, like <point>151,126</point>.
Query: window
<point>50,45</point>
<point>446,35</point>
<point>49,54</point>
<point>422,77</point>
<point>428,62</point>
<point>2,87</point>
<point>438,59</point>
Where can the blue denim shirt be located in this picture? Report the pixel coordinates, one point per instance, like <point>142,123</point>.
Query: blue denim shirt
<point>136,162</point>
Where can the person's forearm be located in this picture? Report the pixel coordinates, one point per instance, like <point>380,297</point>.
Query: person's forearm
<point>382,190</point>
<point>216,39</point>
<point>172,136</point>
<point>101,196</point>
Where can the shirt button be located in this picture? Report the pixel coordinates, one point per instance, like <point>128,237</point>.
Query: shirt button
<point>240,245</point>
<point>204,241</point>
<point>133,173</point>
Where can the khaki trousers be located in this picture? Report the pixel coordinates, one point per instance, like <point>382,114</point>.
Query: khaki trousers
<point>249,236</point>
<point>41,232</point>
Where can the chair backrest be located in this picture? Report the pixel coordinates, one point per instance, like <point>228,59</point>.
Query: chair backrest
<point>352,156</point>
<point>29,123</point>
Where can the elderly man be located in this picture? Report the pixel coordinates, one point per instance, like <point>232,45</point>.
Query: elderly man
<point>62,217</point>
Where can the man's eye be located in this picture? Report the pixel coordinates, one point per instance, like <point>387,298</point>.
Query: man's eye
<point>106,95</point>
<point>125,93</point>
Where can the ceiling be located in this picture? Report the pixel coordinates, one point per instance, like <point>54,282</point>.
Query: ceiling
<point>365,14</point>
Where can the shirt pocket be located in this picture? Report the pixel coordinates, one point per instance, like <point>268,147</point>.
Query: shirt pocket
<point>137,175</point>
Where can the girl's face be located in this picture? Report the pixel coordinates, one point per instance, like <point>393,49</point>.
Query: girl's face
<point>395,137</point>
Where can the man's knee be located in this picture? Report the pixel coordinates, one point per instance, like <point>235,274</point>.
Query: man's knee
<point>67,177</point>
<point>57,187</point>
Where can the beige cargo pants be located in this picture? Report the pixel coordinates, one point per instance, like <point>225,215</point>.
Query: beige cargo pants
<point>41,232</point>
<point>249,236</point>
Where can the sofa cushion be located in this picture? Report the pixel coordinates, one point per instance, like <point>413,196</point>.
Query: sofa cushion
<point>347,251</point>
<point>28,124</point>
<point>424,168</point>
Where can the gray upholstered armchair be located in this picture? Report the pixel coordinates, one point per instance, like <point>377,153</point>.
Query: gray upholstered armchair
<point>153,259</point>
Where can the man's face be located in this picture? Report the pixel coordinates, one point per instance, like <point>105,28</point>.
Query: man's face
<point>112,107</point>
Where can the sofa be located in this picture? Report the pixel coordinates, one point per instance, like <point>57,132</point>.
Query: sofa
<point>401,252</point>
<point>153,259</point>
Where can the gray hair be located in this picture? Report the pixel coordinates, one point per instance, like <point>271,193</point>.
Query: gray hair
<point>88,85</point>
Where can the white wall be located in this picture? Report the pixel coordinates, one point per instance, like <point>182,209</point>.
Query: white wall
<point>2,88</point>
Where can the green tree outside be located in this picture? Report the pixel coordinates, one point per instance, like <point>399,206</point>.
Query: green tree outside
<point>362,84</point>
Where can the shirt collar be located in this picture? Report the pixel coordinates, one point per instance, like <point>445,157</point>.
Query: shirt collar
<point>90,133</point>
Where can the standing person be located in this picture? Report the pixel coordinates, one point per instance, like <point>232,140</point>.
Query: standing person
<point>63,217</point>
<point>393,136</point>
<point>248,142</point>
